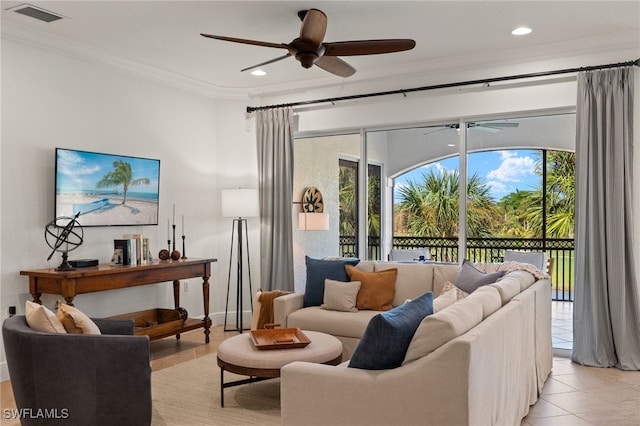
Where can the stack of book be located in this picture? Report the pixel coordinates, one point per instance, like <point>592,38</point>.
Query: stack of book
<point>131,249</point>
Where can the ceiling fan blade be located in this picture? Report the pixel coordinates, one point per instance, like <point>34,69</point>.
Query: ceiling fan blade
<point>279,58</point>
<point>245,41</point>
<point>368,47</point>
<point>498,125</point>
<point>313,28</point>
<point>335,66</point>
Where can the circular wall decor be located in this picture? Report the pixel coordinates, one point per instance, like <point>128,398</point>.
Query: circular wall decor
<point>312,200</point>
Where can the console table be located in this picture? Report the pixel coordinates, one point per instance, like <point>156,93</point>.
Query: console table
<point>109,277</point>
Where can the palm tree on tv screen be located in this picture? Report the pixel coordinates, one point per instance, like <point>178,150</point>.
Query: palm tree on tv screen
<point>121,175</point>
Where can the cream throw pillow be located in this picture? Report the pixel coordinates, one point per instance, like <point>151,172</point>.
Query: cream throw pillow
<point>42,319</point>
<point>340,296</point>
<point>445,299</point>
<point>460,294</point>
<point>76,322</point>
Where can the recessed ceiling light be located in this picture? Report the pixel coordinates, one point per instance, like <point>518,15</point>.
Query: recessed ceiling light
<point>521,31</point>
<point>258,73</point>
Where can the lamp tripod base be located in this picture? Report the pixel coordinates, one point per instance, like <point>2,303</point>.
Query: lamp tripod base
<point>242,246</point>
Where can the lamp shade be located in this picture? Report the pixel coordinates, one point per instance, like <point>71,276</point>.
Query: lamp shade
<point>313,221</point>
<point>240,203</point>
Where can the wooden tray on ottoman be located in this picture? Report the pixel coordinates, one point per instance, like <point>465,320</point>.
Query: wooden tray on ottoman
<point>279,338</point>
<point>155,323</point>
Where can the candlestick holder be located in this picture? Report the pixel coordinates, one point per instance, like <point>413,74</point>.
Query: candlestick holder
<point>174,238</point>
<point>169,246</point>
<point>184,250</point>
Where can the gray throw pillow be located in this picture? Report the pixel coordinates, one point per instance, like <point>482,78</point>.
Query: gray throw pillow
<point>469,278</point>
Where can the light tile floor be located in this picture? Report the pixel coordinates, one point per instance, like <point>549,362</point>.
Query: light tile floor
<point>562,325</point>
<point>576,395</point>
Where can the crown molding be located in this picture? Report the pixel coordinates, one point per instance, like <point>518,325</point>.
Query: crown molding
<point>61,46</point>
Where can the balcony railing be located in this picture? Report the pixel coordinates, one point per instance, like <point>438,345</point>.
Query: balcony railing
<point>483,250</point>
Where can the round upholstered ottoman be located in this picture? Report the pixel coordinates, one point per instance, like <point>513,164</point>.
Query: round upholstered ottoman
<point>239,355</point>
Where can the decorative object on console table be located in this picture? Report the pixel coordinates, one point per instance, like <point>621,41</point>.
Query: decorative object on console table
<point>64,234</point>
<point>184,250</point>
<point>124,247</point>
<point>175,254</point>
<point>239,204</point>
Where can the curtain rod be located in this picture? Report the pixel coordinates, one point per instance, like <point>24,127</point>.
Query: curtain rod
<point>448,85</point>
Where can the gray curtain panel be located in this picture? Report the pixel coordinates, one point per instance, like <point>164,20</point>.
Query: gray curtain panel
<point>606,313</point>
<point>275,173</point>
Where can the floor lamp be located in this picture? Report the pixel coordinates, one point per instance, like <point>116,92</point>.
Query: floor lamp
<point>239,204</point>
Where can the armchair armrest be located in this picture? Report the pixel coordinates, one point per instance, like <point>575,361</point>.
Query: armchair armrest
<point>285,305</point>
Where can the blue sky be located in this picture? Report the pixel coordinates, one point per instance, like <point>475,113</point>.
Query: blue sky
<point>504,171</point>
<point>82,170</point>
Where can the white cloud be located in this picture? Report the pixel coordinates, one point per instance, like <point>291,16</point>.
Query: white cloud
<point>512,168</point>
<point>497,187</point>
<point>439,168</point>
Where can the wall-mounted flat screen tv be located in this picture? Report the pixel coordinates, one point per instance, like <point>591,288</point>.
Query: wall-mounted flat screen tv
<point>106,189</point>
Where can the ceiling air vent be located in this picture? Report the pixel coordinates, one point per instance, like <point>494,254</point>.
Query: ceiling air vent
<point>36,12</point>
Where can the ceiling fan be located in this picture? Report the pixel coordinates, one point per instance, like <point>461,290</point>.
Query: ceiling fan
<point>310,49</point>
<point>488,126</point>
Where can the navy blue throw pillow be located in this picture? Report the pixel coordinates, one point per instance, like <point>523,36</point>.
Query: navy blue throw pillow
<point>388,335</point>
<point>317,271</point>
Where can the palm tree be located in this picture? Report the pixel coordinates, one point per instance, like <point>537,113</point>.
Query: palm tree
<point>121,175</point>
<point>431,207</point>
<point>560,197</point>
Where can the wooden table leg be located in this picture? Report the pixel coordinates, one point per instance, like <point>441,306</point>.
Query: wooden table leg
<point>205,297</point>
<point>176,299</point>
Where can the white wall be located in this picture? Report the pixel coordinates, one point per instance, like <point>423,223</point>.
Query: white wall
<point>50,100</point>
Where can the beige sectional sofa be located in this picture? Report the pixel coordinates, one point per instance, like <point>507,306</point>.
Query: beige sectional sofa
<point>480,361</point>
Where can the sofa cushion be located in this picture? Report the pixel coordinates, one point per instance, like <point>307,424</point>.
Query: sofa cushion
<point>414,279</point>
<point>489,298</point>
<point>508,287</point>
<point>470,278</point>
<point>336,323</point>
<point>388,334</point>
<point>443,274</point>
<point>75,321</point>
<point>340,296</point>
<point>320,269</point>
<point>376,290</point>
<point>441,327</point>
<point>524,277</point>
<point>42,319</point>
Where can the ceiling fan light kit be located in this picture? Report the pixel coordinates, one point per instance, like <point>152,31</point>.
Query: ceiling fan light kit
<point>310,49</point>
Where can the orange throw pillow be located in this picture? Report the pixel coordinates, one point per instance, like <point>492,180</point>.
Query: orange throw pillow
<point>377,289</point>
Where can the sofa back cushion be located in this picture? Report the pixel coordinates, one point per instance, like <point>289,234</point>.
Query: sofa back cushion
<point>441,327</point>
<point>414,279</point>
<point>508,287</point>
<point>524,277</point>
<point>442,274</point>
<point>489,298</point>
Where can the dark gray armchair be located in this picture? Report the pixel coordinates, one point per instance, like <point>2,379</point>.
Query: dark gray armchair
<point>77,379</point>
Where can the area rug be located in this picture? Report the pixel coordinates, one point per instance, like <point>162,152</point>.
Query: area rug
<point>188,394</point>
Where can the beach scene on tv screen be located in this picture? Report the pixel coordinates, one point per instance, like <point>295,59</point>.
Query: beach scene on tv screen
<point>107,189</point>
